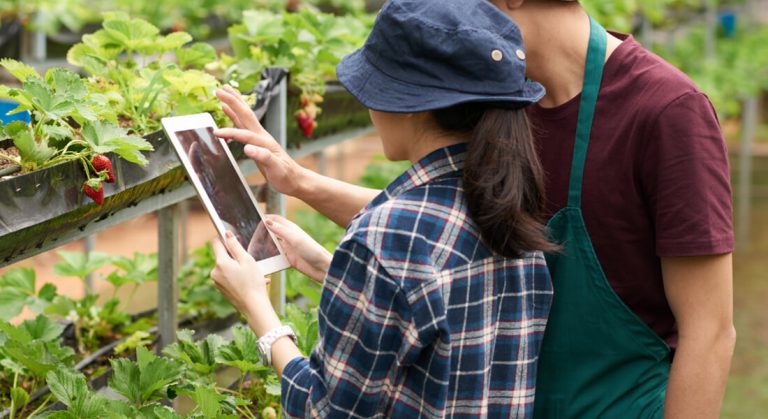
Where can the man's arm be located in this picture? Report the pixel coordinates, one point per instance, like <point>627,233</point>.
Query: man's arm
<point>700,292</point>
<point>337,200</point>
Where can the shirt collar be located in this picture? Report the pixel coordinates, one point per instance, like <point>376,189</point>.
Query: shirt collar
<point>439,163</point>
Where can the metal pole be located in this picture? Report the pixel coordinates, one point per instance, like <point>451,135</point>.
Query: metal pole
<point>749,129</point>
<point>167,271</point>
<point>275,121</point>
<point>710,46</point>
<point>39,40</point>
<point>646,31</point>
<point>183,229</point>
<point>89,244</point>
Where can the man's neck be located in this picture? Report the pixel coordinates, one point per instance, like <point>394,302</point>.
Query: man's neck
<point>556,41</point>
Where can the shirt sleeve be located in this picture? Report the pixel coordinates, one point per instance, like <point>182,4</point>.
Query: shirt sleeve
<point>368,336</point>
<point>687,180</point>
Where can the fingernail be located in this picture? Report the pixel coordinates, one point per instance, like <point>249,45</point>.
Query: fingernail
<point>229,235</point>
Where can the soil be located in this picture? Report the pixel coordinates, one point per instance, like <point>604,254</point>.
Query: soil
<point>13,151</point>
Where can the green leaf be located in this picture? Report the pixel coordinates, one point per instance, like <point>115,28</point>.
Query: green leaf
<point>196,55</point>
<point>19,397</point>
<point>12,302</point>
<point>79,264</point>
<point>69,388</point>
<point>20,278</point>
<point>144,380</point>
<point>132,34</point>
<point>172,41</point>
<point>66,82</point>
<point>200,356</point>
<point>137,339</point>
<point>106,137</point>
<point>125,379</point>
<point>44,99</point>
<point>32,153</point>
<point>18,69</point>
<point>208,401</point>
<point>42,329</point>
<point>305,325</point>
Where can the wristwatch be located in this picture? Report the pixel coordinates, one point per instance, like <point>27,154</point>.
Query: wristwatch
<point>266,341</point>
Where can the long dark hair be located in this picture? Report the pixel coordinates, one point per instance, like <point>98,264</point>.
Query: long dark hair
<point>503,178</point>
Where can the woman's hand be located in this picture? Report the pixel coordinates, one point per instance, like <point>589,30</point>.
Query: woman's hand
<point>280,170</point>
<point>237,276</point>
<point>301,250</point>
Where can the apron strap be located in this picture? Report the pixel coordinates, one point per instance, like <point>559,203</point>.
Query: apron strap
<point>593,77</point>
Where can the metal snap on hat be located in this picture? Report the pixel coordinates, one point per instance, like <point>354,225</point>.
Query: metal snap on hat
<point>424,55</point>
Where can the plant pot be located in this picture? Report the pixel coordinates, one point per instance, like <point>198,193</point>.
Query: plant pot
<point>38,208</point>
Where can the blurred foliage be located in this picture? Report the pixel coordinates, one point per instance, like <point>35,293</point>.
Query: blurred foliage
<point>739,70</point>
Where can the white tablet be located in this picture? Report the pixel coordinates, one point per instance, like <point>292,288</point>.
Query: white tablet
<point>222,187</point>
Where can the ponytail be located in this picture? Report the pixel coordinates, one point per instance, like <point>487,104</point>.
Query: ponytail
<point>503,178</point>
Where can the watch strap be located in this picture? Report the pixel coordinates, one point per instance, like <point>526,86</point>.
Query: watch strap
<point>265,342</point>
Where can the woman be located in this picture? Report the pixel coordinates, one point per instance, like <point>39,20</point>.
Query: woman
<point>435,302</point>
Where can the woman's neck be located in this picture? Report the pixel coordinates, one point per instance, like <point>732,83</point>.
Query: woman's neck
<point>431,141</point>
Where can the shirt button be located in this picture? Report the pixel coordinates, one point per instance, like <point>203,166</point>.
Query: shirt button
<point>520,54</point>
<point>497,55</point>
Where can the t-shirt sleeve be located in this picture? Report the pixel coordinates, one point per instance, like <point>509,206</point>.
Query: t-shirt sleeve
<point>687,180</point>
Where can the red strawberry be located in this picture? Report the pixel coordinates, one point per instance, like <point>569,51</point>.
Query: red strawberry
<point>306,123</point>
<point>101,163</point>
<point>93,189</point>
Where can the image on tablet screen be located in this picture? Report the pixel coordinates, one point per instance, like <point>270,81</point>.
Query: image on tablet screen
<point>222,184</point>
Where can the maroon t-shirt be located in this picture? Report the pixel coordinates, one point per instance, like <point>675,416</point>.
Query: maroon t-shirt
<point>656,180</point>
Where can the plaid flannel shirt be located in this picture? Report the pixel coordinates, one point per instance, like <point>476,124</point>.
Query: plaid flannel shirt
<point>417,317</point>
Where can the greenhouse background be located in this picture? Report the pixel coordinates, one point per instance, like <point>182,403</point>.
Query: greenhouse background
<point>89,286</point>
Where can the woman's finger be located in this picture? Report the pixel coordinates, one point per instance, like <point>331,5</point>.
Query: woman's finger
<point>235,248</point>
<point>247,137</point>
<point>234,100</point>
<point>232,115</point>
<point>220,251</point>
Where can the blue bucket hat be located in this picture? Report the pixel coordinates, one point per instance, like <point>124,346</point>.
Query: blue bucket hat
<point>425,55</point>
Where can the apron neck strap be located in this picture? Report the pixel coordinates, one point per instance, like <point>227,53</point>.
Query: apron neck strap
<point>593,76</point>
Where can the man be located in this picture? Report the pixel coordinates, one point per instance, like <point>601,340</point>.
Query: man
<point>641,324</point>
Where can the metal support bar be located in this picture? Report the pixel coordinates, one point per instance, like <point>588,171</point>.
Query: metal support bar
<point>710,45</point>
<point>39,40</point>
<point>750,116</point>
<point>275,121</point>
<point>184,230</point>
<point>167,271</point>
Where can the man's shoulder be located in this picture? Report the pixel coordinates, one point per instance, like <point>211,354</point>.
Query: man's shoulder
<point>643,77</point>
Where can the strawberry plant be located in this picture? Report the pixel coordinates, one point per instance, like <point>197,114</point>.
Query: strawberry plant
<point>198,297</point>
<point>27,353</point>
<point>309,44</point>
<point>67,123</point>
<point>18,290</point>
<point>122,59</point>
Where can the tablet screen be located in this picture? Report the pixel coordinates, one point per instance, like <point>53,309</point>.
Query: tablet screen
<point>229,197</point>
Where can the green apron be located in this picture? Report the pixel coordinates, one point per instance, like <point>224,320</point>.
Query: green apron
<point>598,359</point>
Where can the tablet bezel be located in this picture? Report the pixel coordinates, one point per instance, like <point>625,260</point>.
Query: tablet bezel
<point>171,125</point>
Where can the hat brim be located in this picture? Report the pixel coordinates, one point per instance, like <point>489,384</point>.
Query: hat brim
<point>380,92</point>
